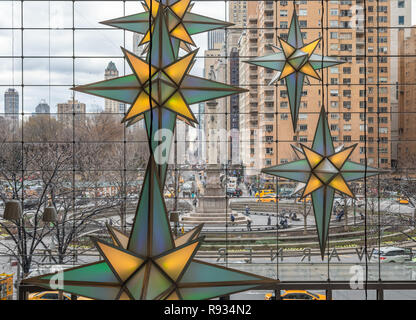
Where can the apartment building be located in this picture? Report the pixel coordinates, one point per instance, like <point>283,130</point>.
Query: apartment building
<point>68,110</point>
<point>237,14</point>
<point>406,147</point>
<point>400,22</point>
<point>249,101</point>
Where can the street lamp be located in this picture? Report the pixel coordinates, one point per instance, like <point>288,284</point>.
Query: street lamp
<point>174,217</point>
<point>13,210</point>
<point>49,215</point>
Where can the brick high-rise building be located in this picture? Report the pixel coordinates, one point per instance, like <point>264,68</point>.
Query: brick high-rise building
<point>249,101</point>
<point>237,14</point>
<point>70,109</point>
<point>400,21</point>
<point>345,91</point>
<point>406,146</point>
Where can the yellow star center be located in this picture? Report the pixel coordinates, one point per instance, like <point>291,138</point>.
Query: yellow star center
<point>148,277</point>
<point>297,59</point>
<point>160,87</point>
<point>326,171</point>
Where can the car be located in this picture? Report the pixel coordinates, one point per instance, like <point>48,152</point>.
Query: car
<point>359,202</point>
<point>261,193</point>
<point>30,203</point>
<point>307,200</point>
<point>169,194</point>
<point>297,295</point>
<point>271,197</point>
<point>286,193</point>
<point>81,201</point>
<point>48,295</point>
<point>53,295</point>
<point>341,202</point>
<point>234,192</point>
<point>392,254</point>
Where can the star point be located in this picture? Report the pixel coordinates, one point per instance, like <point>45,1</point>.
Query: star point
<point>182,24</point>
<point>295,63</point>
<point>150,263</point>
<point>172,88</point>
<point>323,171</point>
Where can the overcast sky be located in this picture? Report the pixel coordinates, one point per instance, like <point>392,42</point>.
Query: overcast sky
<point>94,46</point>
<point>90,44</point>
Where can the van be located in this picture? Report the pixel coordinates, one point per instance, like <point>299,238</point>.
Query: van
<point>393,254</point>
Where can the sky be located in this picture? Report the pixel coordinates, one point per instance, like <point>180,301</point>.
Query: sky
<point>413,12</point>
<point>92,45</point>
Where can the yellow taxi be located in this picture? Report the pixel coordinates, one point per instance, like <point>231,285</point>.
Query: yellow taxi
<point>48,295</point>
<point>297,295</point>
<point>271,197</point>
<point>307,200</point>
<point>52,295</point>
<point>169,194</point>
<point>6,286</point>
<point>262,193</point>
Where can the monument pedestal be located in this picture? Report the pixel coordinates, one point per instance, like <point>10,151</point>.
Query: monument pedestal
<point>213,200</point>
<point>212,206</point>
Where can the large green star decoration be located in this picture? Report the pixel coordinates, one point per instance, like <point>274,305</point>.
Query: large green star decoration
<point>323,172</point>
<point>173,89</point>
<point>150,263</point>
<point>181,23</point>
<point>294,61</point>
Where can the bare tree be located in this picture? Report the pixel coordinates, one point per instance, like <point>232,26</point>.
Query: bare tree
<point>47,160</point>
<point>119,157</point>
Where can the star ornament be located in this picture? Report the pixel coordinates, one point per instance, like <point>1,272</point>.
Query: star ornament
<point>149,264</point>
<point>161,88</point>
<point>174,11</point>
<point>294,62</point>
<point>323,171</point>
<point>297,60</point>
<point>160,81</point>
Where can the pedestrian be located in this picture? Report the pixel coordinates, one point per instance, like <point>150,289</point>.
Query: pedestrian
<point>249,224</point>
<point>247,210</point>
<point>269,221</point>
<point>195,202</point>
